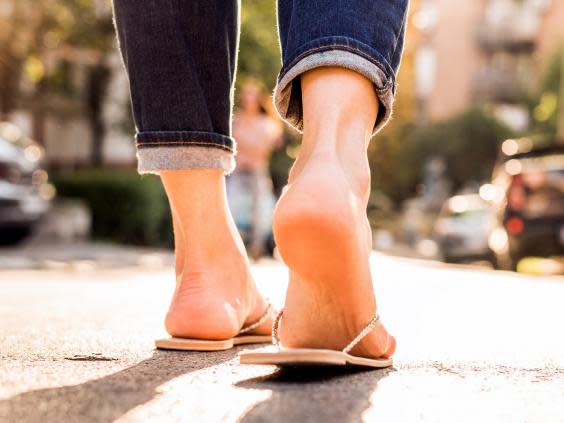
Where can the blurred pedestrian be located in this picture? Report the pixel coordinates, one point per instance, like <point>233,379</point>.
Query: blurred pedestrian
<point>249,187</point>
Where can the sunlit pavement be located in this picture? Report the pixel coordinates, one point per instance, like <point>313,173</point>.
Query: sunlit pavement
<point>76,344</point>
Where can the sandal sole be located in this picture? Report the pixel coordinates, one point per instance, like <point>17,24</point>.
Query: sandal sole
<point>189,344</point>
<point>309,357</point>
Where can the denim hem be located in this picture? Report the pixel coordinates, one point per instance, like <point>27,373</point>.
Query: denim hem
<point>184,138</point>
<point>289,103</point>
<point>177,157</point>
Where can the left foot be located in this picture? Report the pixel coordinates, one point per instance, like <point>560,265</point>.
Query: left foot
<point>215,293</point>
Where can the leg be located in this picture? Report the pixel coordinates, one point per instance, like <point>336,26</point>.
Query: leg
<point>337,85</point>
<point>180,57</point>
<point>320,222</point>
<point>215,294</point>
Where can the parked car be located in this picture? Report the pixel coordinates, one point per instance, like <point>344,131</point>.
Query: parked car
<point>530,207</point>
<point>463,227</point>
<point>25,192</point>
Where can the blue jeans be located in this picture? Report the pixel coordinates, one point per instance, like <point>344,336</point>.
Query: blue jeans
<point>180,56</point>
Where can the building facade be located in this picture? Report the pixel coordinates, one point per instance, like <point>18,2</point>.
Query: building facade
<point>483,51</point>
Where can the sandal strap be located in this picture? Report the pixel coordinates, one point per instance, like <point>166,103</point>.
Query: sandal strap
<point>367,329</point>
<point>275,326</point>
<point>263,318</point>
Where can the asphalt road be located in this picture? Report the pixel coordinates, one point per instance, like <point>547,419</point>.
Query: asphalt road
<point>76,344</point>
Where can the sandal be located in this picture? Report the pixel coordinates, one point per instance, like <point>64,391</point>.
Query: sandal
<point>281,356</point>
<point>192,344</point>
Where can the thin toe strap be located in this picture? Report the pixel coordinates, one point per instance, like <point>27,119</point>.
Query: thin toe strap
<point>275,326</point>
<point>367,329</point>
<point>260,321</point>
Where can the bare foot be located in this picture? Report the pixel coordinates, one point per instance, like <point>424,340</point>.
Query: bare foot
<point>215,294</point>
<point>320,222</point>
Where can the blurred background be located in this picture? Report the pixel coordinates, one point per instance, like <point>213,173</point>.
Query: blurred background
<point>470,170</point>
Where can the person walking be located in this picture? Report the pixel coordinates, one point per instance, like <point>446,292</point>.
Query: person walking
<point>337,86</point>
<point>249,187</point>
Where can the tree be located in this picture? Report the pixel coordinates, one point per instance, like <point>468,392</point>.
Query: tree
<point>468,143</point>
<point>40,42</point>
<point>546,107</point>
<point>259,52</point>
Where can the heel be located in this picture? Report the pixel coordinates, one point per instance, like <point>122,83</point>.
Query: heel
<point>306,234</point>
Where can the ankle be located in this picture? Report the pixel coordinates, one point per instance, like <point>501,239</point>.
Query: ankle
<point>195,192</point>
<point>198,198</point>
<point>342,159</point>
<point>338,102</point>
<point>340,109</point>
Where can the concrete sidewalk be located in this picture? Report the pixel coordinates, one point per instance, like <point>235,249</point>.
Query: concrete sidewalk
<point>76,344</point>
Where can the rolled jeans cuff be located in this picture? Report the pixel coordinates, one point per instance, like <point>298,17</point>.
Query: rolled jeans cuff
<point>287,96</point>
<point>176,150</point>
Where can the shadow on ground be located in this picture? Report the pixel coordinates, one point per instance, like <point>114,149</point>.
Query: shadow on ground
<point>318,394</point>
<point>109,397</point>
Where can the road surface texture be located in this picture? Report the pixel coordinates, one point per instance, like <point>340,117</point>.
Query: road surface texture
<point>76,345</point>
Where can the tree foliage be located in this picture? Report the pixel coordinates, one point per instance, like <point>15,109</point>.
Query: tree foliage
<point>468,143</point>
<point>545,109</point>
<point>39,39</point>
<point>259,52</point>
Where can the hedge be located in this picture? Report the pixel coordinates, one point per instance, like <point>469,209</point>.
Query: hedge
<point>126,208</point>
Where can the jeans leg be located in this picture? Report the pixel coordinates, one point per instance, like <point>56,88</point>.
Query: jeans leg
<point>180,57</point>
<point>362,35</point>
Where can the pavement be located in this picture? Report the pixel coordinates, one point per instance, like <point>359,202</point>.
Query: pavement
<point>81,256</point>
<point>474,345</point>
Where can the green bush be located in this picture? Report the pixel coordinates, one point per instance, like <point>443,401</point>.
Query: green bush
<point>395,163</point>
<point>468,143</point>
<point>126,208</point>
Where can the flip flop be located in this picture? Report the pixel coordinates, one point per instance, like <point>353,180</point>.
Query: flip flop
<point>193,344</point>
<point>280,356</point>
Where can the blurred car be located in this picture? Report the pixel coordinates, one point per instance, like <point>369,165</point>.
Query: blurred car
<point>529,179</point>
<point>25,193</point>
<point>463,227</point>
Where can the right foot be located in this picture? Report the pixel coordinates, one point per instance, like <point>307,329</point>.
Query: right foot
<point>215,294</point>
<point>323,235</point>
